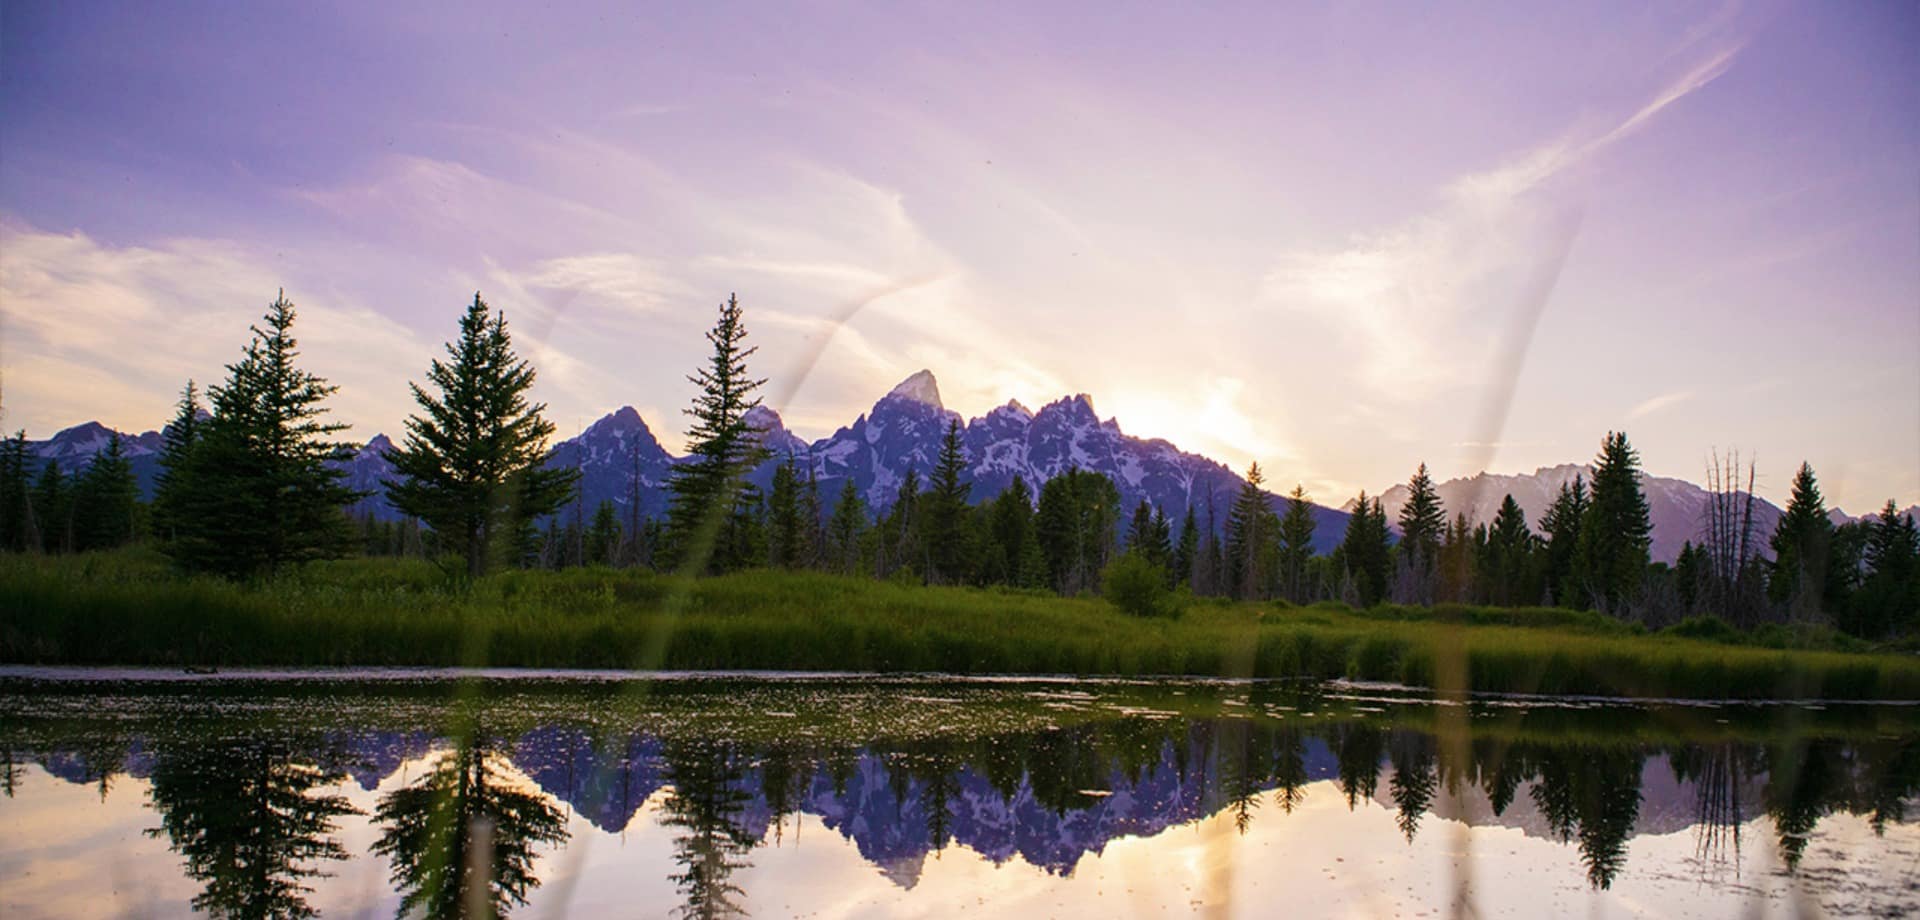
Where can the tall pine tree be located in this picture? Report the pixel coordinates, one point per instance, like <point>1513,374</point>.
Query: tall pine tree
<point>1296,545</point>
<point>1423,522</point>
<point>944,512</point>
<point>1253,533</point>
<point>844,531</point>
<point>104,497</point>
<point>1365,554</point>
<point>721,442</point>
<point>16,517</point>
<point>1561,525</point>
<point>1610,559</point>
<point>473,462</point>
<point>176,451</point>
<point>1800,545</point>
<point>264,488</point>
<point>786,532</point>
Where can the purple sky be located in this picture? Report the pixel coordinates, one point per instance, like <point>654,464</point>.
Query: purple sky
<point>1326,238</point>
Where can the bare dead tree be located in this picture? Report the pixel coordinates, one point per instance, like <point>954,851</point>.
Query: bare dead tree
<point>1732,585</point>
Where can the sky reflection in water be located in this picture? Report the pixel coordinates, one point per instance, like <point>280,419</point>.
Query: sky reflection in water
<point>709,798</point>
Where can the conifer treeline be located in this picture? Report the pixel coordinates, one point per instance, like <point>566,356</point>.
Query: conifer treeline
<point>252,486</point>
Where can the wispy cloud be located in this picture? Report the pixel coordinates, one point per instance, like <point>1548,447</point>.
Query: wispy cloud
<point>91,325</point>
<point>1655,404</point>
<point>1408,297</point>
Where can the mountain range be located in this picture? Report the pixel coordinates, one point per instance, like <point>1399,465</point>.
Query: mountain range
<point>903,431</point>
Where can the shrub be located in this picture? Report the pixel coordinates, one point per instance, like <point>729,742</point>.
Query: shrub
<point>1138,586</point>
<point>1707,627</point>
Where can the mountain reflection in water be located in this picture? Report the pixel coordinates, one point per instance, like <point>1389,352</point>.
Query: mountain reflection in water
<point>471,801</point>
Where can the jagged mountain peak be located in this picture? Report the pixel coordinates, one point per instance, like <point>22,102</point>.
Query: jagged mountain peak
<point>920,388</point>
<point>625,420</point>
<point>1013,409</point>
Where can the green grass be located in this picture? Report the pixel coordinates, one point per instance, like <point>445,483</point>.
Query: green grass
<point>128,608</point>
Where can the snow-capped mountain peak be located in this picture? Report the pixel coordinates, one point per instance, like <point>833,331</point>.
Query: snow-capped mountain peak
<point>920,388</point>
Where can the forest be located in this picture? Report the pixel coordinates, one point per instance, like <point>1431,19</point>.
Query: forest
<point>250,489</point>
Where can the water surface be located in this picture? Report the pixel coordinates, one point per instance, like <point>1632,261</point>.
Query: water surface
<point>377,794</point>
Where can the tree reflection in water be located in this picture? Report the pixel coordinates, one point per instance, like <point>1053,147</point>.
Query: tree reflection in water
<point>461,838</point>
<point>254,820</point>
<point>250,820</point>
<point>710,843</point>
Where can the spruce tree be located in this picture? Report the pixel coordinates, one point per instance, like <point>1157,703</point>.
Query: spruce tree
<point>1365,553</point>
<point>1296,545</point>
<point>176,452</point>
<point>1510,549</point>
<point>16,517</point>
<point>1561,526</point>
<point>1889,597</point>
<point>945,509</point>
<point>721,443</point>
<point>900,531</point>
<point>1186,552</point>
<point>50,510</point>
<point>1076,525</point>
<point>265,490</point>
<point>1800,547</point>
<point>786,534</point>
<point>1012,532</point>
<point>813,523</point>
<point>1423,522</point>
<point>1140,527</point>
<point>603,535</point>
<point>1252,539</point>
<point>473,462</point>
<point>1611,557</point>
<point>104,497</point>
<point>844,531</point>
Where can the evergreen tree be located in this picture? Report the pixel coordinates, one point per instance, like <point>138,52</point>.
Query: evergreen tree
<point>1186,553</point>
<point>813,522</point>
<point>1423,522</point>
<point>1147,534</point>
<point>16,514</point>
<point>900,539</point>
<point>1457,562</point>
<point>1611,557</point>
<point>1160,539</point>
<point>1510,550</point>
<point>844,531</point>
<point>786,531</point>
<point>1889,595</point>
<point>603,535</point>
<point>176,451</point>
<point>1253,532</point>
<point>742,541</point>
<point>264,490</point>
<point>1800,548</point>
<point>252,821</point>
<point>462,837</point>
<point>103,500</point>
<point>1562,525</point>
<point>1689,570</point>
<point>1296,545</point>
<point>721,442</point>
<point>1075,523</point>
<point>1011,527</point>
<point>50,507</point>
<point>473,462</point>
<point>945,512</point>
<point>1365,554</point>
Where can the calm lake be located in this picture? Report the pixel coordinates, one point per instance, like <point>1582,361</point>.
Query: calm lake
<point>150,794</point>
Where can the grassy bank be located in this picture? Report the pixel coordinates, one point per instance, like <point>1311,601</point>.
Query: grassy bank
<point>128,608</point>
